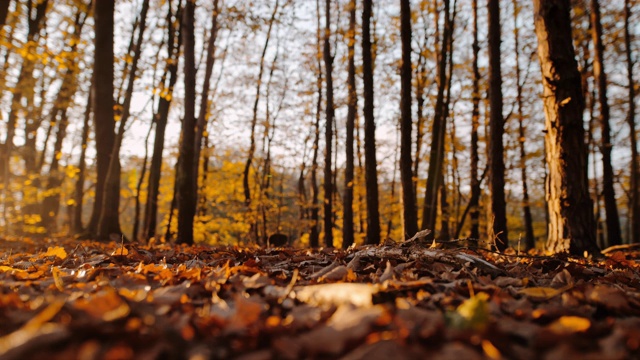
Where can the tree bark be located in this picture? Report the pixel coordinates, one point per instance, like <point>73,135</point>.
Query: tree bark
<point>328,134</point>
<point>631,120</point>
<point>438,129</point>
<point>109,221</point>
<point>254,123</point>
<point>474,232</point>
<point>347,227</point>
<point>314,236</point>
<point>529,239</point>
<point>498,217</point>
<point>409,209</point>
<point>370,162</point>
<point>186,195</point>
<point>614,235</point>
<point>571,227</point>
<point>174,42</point>
<point>103,103</point>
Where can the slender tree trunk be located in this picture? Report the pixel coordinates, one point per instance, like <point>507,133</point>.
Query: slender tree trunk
<point>347,226</point>
<point>107,194</point>
<point>4,11</point>
<point>410,214</point>
<point>436,155</point>
<point>328,134</point>
<point>314,236</point>
<point>475,124</point>
<point>498,230</point>
<point>186,186</point>
<point>631,120</point>
<point>571,227</point>
<point>254,122</point>
<point>370,162</point>
<point>201,124</point>
<point>143,173</point>
<point>174,42</point>
<point>529,239</point>
<point>82,165</point>
<point>614,235</point>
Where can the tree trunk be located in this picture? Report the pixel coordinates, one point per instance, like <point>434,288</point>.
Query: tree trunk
<point>174,42</point>
<point>109,222</point>
<point>436,155</point>
<point>328,134</point>
<point>314,236</point>
<point>370,163</point>
<point>254,123</point>
<point>631,120</point>
<point>82,165</point>
<point>474,232</point>
<point>529,239</point>
<point>614,235</point>
<point>201,125</point>
<point>4,11</point>
<point>143,173</point>
<point>347,227</point>
<point>106,194</point>
<point>571,227</point>
<point>498,230</point>
<point>409,210</point>
<point>186,194</point>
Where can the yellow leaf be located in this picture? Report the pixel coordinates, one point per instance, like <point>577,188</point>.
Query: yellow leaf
<point>490,350</point>
<point>475,311</point>
<point>9,268</point>
<point>543,292</point>
<point>56,251</point>
<point>570,325</point>
<point>57,279</point>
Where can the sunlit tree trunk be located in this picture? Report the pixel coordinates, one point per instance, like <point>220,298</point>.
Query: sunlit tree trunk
<point>370,163</point>
<point>347,226</point>
<point>409,211</point>
<point>614,235</point>
<point>328,134</point>
<point>571,227</point>
<point>631,120</point>
<point>498,217</point>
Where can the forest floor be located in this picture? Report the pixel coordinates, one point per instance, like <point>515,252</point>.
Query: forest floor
<point>65,299</point>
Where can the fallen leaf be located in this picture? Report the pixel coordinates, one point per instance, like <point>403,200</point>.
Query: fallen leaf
<point>569,325</point>
<point>106,305</point>
<point>57,251</point>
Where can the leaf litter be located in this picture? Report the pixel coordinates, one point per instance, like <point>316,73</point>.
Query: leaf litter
<point>65,299</point>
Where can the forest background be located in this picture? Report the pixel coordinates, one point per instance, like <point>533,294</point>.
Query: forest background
<point>274,157</point>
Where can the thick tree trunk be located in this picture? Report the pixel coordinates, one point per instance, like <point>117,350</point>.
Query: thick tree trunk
<point>106,194</point>
<point>529,239</point>
<point>370,163</point>
<point>174,42</point>
<point>186,194</point>
<point>614,235</point>
<point>409,210</point>
<point>571,227</point>
<point>498,217</point>
<point>328,134</point>
<point>631,120</point>
<point>347,226</point>
<point>4,11</point>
